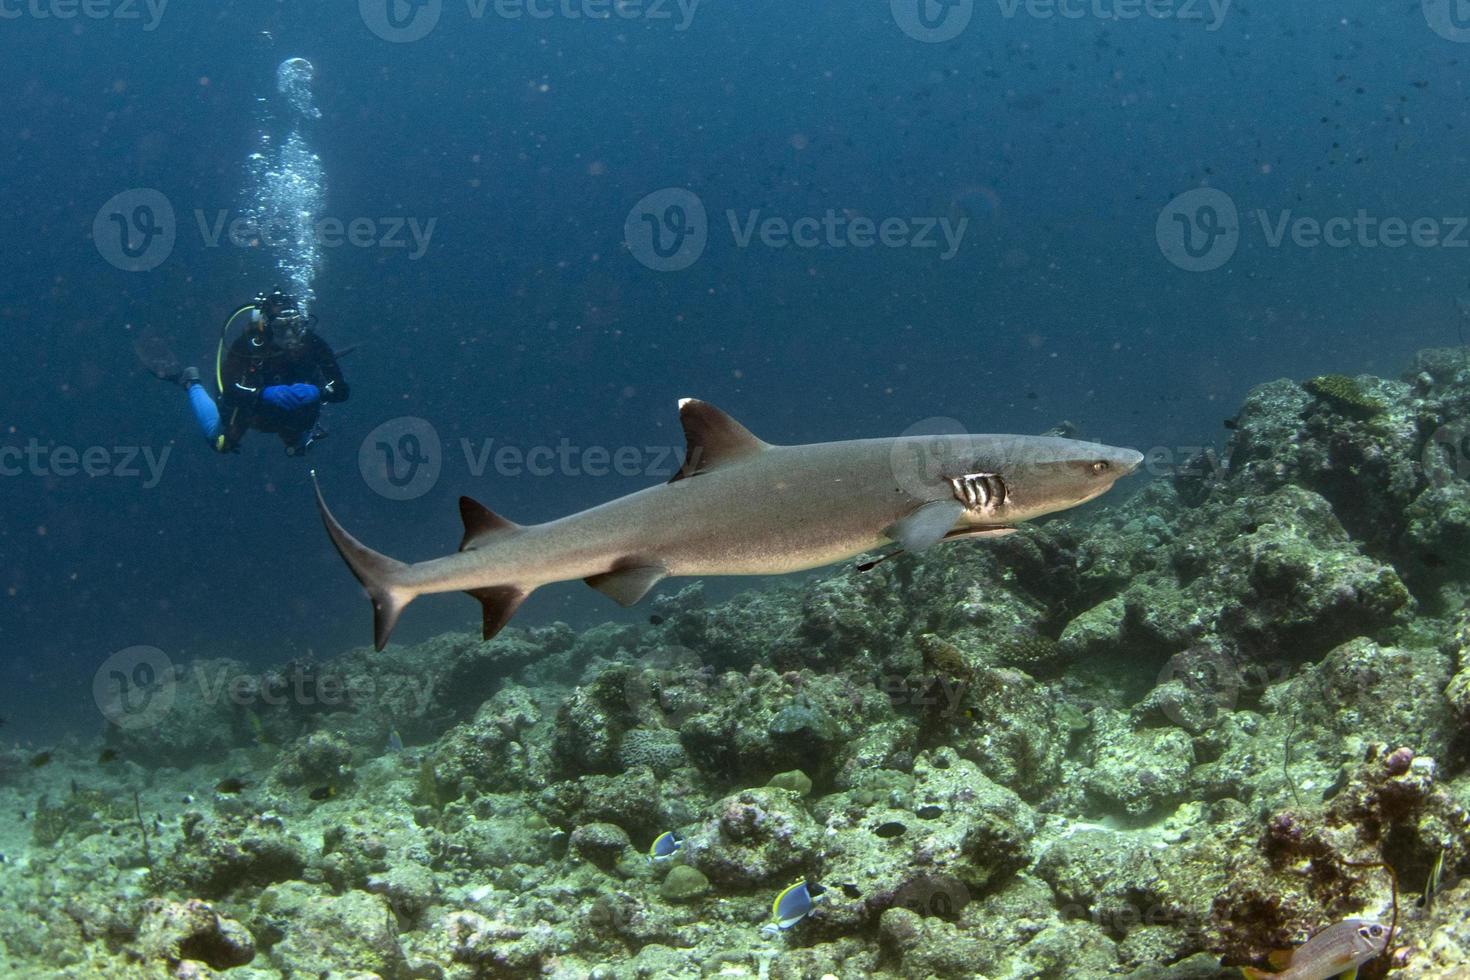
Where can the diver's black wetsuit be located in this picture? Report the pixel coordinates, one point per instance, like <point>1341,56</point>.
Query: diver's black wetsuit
<point>254,364</point>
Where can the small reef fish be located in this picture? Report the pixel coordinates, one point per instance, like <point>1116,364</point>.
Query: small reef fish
<point>792,905</point>
<point>1432,884</point>
<point>106,756</point>
<point>40,759</point>
<point>665,846</point>
<point>231,785</point>
<point>1336,950</point>
<point>323,793</point>
<point>395,742</point>
<point>742,506</point>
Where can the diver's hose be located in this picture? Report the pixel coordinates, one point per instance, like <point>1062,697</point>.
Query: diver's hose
<point>219,354</point>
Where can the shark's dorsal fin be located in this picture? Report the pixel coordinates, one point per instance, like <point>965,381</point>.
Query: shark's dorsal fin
<point>481,523</point>
<point>628,584</point>
<point>712,439</point>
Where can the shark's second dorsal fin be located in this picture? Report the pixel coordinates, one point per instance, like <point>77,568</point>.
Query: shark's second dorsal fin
<point>481,523</point>
<point>712,439</point>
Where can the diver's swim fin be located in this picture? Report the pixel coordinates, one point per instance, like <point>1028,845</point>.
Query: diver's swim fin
<point>155,354</point>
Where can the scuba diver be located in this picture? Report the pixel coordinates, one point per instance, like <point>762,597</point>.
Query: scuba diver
<point>274,377</point>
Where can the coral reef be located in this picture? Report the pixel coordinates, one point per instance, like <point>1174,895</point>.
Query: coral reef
<point>1157,739</point>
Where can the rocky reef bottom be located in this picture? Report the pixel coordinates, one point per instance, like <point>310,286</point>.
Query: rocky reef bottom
<point>1158,739</point>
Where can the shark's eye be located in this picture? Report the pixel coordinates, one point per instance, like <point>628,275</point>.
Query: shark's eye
<point>1100,467</point>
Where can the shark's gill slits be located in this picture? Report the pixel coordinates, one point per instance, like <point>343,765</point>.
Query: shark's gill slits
<point>979,491</point>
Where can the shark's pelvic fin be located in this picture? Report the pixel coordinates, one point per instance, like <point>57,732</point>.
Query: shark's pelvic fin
<point>498,603</point>
<point>626,586</point>
<point>927,525</point>
<point>481,524</point>
<point>712,439</point>
<point>377,573</point>
<point>996,531</point>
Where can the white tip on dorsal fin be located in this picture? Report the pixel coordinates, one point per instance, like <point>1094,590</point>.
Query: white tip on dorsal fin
<point>712,439</point>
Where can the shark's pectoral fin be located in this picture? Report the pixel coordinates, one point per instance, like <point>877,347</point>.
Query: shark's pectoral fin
<point>927,525</point>
<point>626,586</point>
<point>499,603</point>
<point>712,439</point>
<point>481,523</point>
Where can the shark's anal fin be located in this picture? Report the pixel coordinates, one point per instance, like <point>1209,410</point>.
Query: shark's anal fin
<point>481,523</point>
<point>711,439</point>
<point>499,603</point>
<point>927,525</point>
<point>627,585</point>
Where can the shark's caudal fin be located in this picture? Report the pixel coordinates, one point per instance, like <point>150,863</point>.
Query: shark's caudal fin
<point>377,573</point>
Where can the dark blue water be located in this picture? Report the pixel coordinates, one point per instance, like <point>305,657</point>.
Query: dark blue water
<point>527,320</point>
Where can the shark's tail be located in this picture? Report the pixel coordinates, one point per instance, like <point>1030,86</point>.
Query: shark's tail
<point>380,575</point>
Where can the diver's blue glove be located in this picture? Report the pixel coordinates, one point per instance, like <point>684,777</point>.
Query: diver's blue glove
<point>289,398</point>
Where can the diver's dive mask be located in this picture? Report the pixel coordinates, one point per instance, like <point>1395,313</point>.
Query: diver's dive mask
<point>288,328</point>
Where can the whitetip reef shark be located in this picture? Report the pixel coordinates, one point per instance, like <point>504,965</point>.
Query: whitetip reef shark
<point>741,506</point>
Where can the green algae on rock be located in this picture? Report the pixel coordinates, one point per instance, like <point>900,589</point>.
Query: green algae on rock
<point>1346,395</point>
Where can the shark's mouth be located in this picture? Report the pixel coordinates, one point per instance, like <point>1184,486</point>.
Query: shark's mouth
<point>979,491</point>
